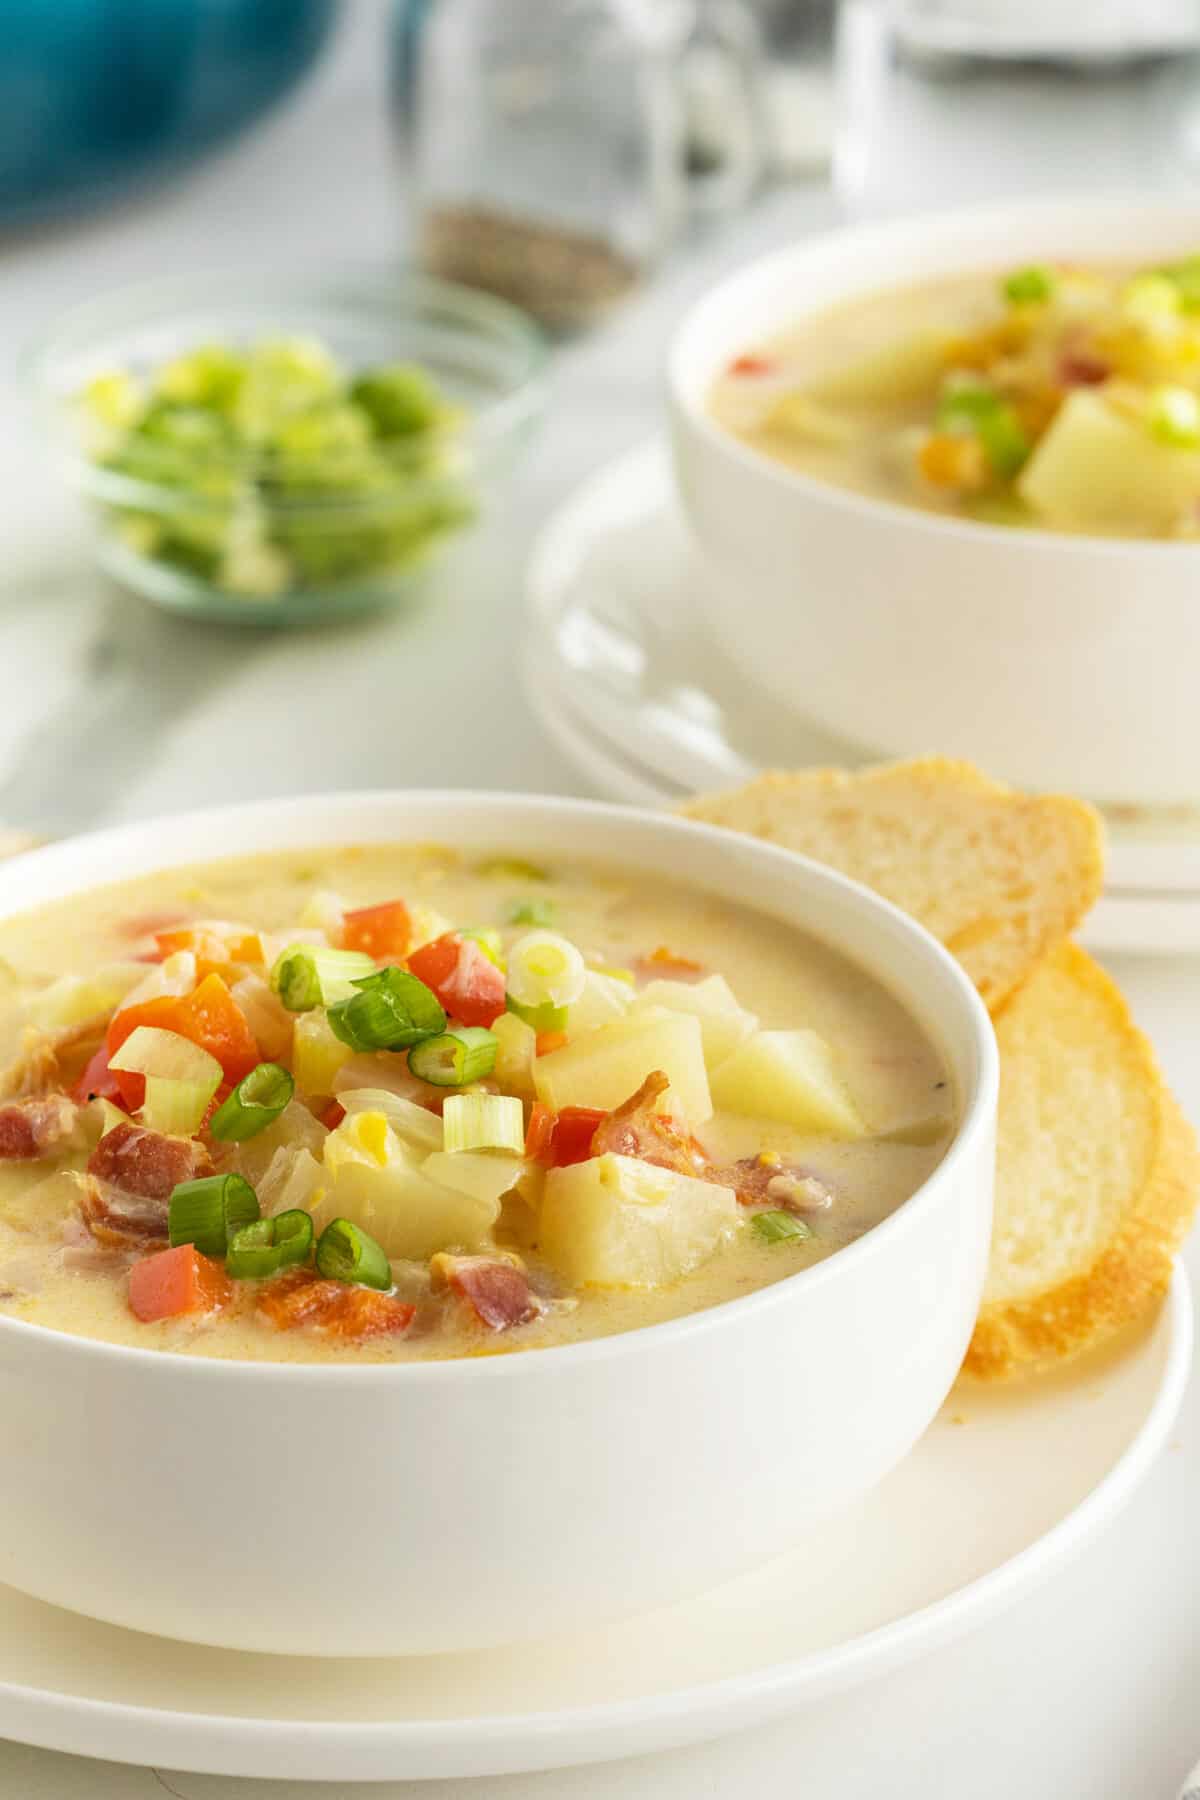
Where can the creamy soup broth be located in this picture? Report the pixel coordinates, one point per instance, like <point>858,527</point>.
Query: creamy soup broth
<point>897,1081</point>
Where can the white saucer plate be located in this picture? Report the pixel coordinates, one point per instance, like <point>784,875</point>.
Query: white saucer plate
<point>1003,1487</point>
<point>618,667</point>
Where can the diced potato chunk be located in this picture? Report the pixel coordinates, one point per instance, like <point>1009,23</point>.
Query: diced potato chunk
<point>604,1067</point>
<point>617,1222</point>
<point>604,998</point>
<point>790,1076</point>
<point>317,1054</point>
<point>1097,470</point>
<point>723,1023</point>
<point>379,1185</point>
<point>484,1174</point>
<point>898,372</point>
<point>516,1047</point>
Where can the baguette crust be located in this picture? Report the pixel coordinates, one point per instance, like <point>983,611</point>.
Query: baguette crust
<point>1127,1274</point>
<point>999,876</point>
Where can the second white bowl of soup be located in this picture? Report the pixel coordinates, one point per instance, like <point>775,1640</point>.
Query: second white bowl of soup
<point>550,1237</point>
<point>945,475</point>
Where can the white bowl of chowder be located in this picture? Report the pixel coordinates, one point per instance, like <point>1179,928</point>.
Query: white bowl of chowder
<point>580,1205</point>
<point>945,476</point>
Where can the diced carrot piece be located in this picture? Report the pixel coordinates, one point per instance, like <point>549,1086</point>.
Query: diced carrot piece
<point>549,1041</point>
<point>383,931</point>
<point>574,1129</point>
<point>177,1281</point>
<point>751,365</point>
<point>665,961</point>
<point>213,951</point>
<point>210,1017</point>
<point>302,1297</point>
<point>540,1133</point>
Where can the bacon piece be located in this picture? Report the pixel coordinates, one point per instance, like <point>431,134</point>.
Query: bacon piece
<point>302,1297</point>
<point>147,1162</point>
<point>496,1291</point>
<point>33,1128</point>
<point>121,1221</point>
<point>771,1183</point>
<point>1078,366</point>
<point>637,1128</point>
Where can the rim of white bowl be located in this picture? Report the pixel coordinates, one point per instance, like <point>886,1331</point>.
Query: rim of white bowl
<point>1088,208</point>
<point>978,1103</point>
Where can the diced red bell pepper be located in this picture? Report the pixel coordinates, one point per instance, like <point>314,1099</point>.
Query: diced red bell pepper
<point>210,1017</point>
<point>466,981</point>
<point>98,1081</point>
<point>177,1281</point>
<point>574,1129</point>
<point>383,932</point>
<point>540,1134</point>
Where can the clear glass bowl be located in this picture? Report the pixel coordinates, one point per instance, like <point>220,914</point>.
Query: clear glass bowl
<point>325,529</point>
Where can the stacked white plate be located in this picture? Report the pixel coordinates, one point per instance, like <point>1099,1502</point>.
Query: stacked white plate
<point>618,666</point>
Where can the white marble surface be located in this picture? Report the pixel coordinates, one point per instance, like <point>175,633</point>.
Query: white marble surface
<point>1091,1687</point>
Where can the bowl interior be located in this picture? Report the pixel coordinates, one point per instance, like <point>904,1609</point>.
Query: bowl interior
<point>872,934</point>
<point>780,289</point>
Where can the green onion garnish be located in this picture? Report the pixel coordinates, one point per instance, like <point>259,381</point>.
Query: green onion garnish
<point>344,1253</point>
<point>308,975</point>
<point>463,1054</point>
<point>780,1227</point>
<point>542,1018</point>
<point>484,1122</point>
<point>545,969</point>
<point>1185,278</point>
<point>973,408</point>
<point>511,868</point>
<point>1029,287</point>
<point>266,1246</point>
<point>532,912</point>
<point>391,1011</point>
<point>1174,418</point>
<point>254,1104</point>
<point>207,1212</point>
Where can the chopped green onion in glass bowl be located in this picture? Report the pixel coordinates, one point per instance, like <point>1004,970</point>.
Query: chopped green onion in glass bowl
<point>275,450</point>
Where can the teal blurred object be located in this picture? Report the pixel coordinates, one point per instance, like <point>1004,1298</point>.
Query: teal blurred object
<point>99,97</point>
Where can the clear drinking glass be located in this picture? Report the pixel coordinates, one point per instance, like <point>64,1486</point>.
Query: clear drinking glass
<point>548,139</point>
<point>945,101</point>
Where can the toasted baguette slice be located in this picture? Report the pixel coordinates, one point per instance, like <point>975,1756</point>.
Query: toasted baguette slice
<point>1096,1173</point>
<point>1000,877</point>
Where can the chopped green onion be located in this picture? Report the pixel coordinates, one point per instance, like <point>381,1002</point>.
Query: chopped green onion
<point>531,912</point>
<point>780,1227</point>
<point>308,975</point>
<point>545,969</point>
<point>1027,287</point>
<point>1184,276</point>
<point>971,407</point>
<point>207,1212</point>
<point>511,868</point>
<point>266,1246</point>
<point>463,1054</point>
<point>344,1253</point>
<point>542,1018</point>
<point>391,1011</point>
<point>1174,417</point>
<point>490,942</point>
<point>255,1102</point>
<point>484,1122</point>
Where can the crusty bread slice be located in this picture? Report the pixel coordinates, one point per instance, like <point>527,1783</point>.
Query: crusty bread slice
<point>1000,877</point>
<point>1097,1173</point>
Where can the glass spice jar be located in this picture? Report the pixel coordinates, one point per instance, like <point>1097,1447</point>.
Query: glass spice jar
<point>548,141</point>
